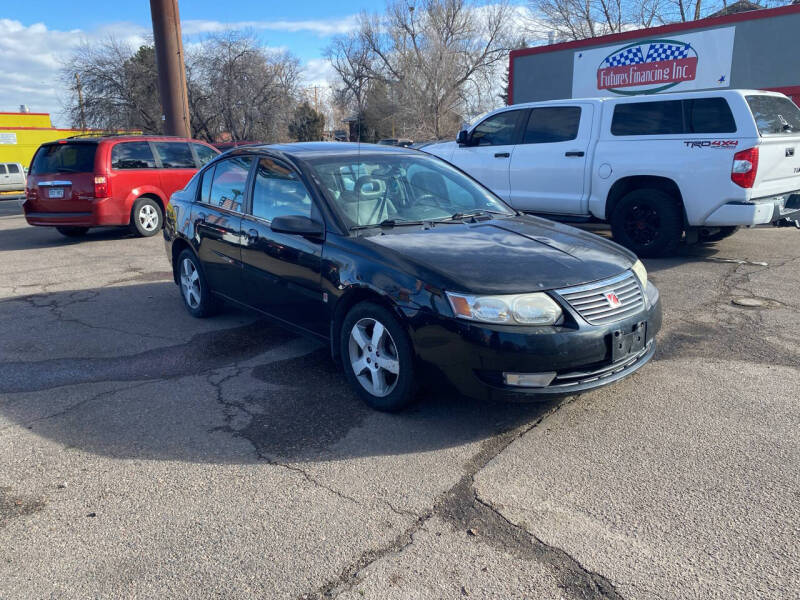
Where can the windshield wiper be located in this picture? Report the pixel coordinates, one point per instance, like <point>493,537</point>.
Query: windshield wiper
<point>388,223</point>
<point>460,216</point>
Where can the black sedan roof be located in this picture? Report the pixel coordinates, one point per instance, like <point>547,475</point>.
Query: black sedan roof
<point>303,150</point>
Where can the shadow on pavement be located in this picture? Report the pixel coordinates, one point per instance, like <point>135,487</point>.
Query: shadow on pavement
<point>189,400</point>
<point>30,238</point>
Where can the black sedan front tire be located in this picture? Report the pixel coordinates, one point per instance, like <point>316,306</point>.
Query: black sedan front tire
<point>378,358</point>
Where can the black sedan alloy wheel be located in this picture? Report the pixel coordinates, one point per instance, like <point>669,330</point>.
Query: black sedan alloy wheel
<point>377,357</point>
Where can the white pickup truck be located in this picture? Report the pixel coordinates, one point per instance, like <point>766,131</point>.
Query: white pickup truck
<point>654,167</point>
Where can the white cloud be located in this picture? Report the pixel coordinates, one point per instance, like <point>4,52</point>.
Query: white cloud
<point>318,71</point>
<point>322,28</point>
<point>32,54</point>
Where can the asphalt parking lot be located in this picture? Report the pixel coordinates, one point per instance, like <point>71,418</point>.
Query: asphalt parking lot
<point>144,453</point>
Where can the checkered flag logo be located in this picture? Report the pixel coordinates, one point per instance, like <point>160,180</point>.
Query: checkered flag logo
<point>666,52</point>
<point>629,56</point>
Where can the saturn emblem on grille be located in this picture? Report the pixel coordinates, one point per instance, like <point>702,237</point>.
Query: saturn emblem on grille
<point>612,300</point>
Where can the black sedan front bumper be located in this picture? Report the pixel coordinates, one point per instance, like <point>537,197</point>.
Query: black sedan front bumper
<point>474,357</point>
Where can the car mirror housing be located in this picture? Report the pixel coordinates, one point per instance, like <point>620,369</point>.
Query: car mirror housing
<point>297,225</point>
<point>463,138</point>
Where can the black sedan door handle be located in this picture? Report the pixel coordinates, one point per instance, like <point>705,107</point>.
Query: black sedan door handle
<point>201,217</point>
<point>501,154</point>
<point>252,235</point>
<point>574,153</point>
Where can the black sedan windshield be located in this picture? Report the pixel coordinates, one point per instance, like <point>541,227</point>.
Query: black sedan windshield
<point>370,189</point>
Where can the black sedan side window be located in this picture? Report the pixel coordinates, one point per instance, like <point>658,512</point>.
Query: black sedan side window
<point>228,183</point>
<point>278,191</point>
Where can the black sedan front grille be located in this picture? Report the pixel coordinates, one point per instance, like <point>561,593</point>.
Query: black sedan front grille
<point>595,301</point>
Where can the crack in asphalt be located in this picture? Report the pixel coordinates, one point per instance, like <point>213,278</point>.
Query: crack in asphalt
<point>202,352</point>
<point>229,409</point>
<point>57,307</point>
<point>461,507</point>
<point>732,332</point>
<point>73,407</point>
<point>580,582</point>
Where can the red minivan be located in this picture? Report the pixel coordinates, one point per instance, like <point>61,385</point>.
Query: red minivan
<point>84,182</point>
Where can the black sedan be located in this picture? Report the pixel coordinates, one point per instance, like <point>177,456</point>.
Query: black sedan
<point>410,269</point>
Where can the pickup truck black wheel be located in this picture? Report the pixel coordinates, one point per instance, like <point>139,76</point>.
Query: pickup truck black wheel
<point>73,232</point>
<point>649,222</point>
<point>721,234</point>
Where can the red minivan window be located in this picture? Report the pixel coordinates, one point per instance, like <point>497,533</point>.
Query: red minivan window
<point>132,155</point>
<point>175,155</point>
<point>64,158</point>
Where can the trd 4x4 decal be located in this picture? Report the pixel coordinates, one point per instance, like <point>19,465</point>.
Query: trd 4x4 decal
<point>711,143</point>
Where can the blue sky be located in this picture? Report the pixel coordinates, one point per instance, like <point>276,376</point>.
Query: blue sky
<point>34,39</point>
<point>307,44</point>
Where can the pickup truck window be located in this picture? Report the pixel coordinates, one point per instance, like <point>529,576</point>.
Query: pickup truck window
<point>648,118</point>
<point>709,115</point>
<point>552,124</point>
<point>774,115</point>
<point>12,168</point>
<point>698,115</point>
<point>497,130</point>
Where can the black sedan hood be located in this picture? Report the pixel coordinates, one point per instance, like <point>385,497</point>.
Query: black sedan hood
<point>507,255</point>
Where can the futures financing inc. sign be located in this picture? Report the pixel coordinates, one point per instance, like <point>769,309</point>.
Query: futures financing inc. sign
<point>699,60</point>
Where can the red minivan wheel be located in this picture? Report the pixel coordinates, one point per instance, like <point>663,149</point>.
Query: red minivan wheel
<point>146,217</point>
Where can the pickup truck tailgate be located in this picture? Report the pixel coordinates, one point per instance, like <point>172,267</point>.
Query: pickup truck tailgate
<point>778,122</point>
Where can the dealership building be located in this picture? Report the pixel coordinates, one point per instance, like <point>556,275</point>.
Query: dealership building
<point>756,49</point>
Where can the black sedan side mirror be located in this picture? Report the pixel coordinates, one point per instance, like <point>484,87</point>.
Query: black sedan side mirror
<point>462,139</point>
<point>297,225</point>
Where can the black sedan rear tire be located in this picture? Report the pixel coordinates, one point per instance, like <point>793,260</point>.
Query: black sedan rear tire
<point>377,357</point>
<point>197,296</point>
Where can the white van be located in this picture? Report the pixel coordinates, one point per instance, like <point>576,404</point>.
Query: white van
<point>654,167</point>
<point>12,177</point>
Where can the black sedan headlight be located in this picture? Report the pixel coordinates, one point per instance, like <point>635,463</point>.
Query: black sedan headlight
<point>520,309</point>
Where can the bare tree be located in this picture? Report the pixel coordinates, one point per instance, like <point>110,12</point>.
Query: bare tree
<point>581,19</point>
<point>438,61</point>
<point>241,89</point>
<point>118,84</point>
<point>238,89</point>
<point>353,62</point>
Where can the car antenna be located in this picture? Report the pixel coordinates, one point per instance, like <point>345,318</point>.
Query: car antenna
<point>358,167</point>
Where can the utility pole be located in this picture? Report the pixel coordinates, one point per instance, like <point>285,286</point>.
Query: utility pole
<point>171,68</point>
<point>79,87</point>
